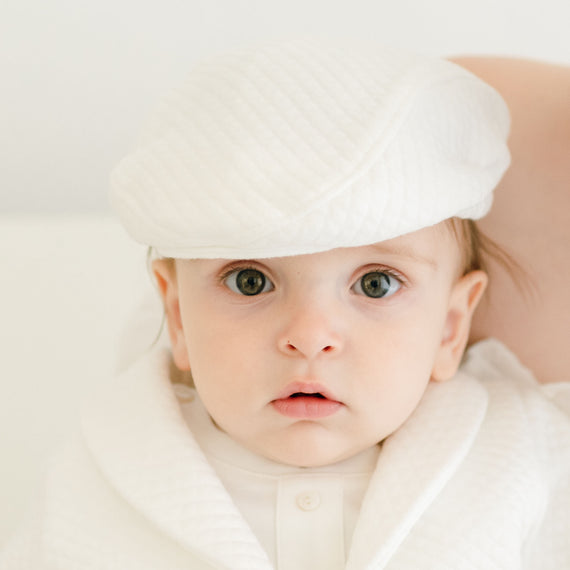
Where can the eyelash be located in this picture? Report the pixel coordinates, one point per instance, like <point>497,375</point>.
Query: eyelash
<point>391,273</point>
<point>387,270</point>
<point>238,266</point>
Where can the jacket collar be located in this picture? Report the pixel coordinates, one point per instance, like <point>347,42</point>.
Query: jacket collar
<point>135,430</point>
<point>415,464</point>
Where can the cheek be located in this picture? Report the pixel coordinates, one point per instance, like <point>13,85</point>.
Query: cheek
<point>396,382</point>
<point>408,332</point>
<point>225,337</point>
<point>222,348</point>
<point>398,355</point>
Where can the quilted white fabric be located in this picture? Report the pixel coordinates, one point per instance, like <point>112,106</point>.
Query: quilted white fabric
<point>305,146</point>
<point>477,478</point>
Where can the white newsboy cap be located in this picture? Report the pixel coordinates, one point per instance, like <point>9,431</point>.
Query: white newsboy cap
<point>304,146</point>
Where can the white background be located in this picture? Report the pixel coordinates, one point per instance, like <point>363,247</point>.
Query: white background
<point>78,76</point>
<point>77,79</point>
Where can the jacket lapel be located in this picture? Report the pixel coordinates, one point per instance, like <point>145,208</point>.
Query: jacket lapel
<point>414,465</point>
<point>137,435</point>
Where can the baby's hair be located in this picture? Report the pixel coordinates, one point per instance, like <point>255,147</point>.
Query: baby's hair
<point>477,249</point>
<point>471,242</point>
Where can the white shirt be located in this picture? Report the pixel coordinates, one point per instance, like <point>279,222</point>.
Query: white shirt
<point>314,509</point>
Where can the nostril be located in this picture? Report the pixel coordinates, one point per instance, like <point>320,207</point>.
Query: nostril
<point>306,349</point>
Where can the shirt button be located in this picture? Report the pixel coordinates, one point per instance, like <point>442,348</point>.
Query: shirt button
<point>184,393</point>
<point>308,501</point>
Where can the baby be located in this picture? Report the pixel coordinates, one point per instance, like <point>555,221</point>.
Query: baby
<point>312,208</point>
<point>310,359</point>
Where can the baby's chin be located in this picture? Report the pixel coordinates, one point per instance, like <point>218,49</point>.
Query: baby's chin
<point>305,445</point>
<point>303,457</point>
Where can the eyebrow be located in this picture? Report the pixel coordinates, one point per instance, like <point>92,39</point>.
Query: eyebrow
<point>403,251</point>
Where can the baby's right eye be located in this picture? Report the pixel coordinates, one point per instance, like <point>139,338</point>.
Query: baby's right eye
<point>248,282</point>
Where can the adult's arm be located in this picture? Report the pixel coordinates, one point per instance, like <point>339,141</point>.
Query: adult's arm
<point>531,217</point>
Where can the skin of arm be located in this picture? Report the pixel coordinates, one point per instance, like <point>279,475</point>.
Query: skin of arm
<point>530,218</point>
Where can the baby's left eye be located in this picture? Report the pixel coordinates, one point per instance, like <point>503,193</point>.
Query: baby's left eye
<point>377,284</point>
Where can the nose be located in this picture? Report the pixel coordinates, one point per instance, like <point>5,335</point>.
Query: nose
<point>310,332</point>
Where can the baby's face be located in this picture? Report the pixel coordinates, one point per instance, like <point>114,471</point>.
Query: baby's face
<point>310,359</point>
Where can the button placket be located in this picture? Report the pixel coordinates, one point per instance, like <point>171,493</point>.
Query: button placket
<point>310,516</point>
<point>308,501</point>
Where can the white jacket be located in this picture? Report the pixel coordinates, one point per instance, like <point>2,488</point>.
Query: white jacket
<point>478,478</point>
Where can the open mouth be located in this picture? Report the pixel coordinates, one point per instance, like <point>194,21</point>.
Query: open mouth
<point>306,405</point>
<point>308,395</point>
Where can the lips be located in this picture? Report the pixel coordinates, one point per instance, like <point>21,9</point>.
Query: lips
<point>306,400</point>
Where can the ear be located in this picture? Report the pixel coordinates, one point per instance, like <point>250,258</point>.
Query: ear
<point>165,273</point>
<point>464,298</point>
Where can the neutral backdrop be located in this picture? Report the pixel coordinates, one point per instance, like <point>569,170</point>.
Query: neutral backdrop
<point>77,79</point>
<point>78,76</point>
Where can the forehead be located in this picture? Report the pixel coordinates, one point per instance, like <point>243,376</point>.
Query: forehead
<point>433,247</point>
<point>429,246</point>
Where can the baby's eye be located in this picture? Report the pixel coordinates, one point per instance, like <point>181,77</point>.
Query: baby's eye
<point>248,282</point>
<point>377,284</point>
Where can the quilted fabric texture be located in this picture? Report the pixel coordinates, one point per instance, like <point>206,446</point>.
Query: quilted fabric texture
<point>305,146</point>
<point>477,478</point>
